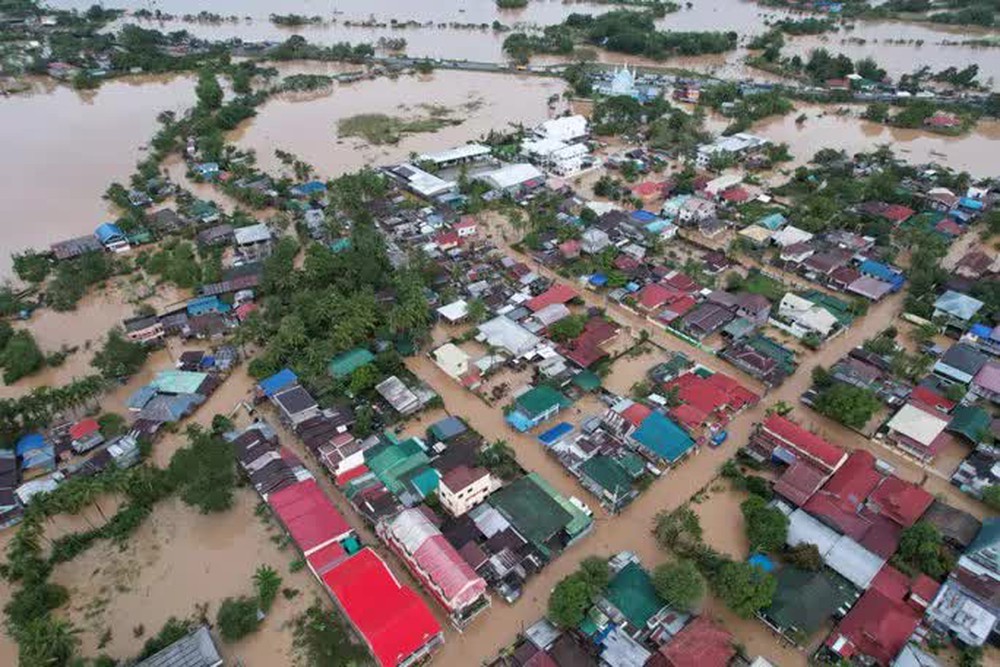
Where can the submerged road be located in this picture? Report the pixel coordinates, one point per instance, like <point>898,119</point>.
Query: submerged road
<point>631,530</point>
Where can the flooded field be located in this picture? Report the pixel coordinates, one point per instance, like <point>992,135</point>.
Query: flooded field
<point>309,128</point>
<point>68,148</point>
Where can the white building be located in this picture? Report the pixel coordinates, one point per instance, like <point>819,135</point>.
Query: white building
<point>568,129</point>
<point>254,241</point>
<point>738,145</point>
<point>555,156</point>
<point>694,210</point>
<point>512,176</point>
<point>453,360</point>
<point>458,155</point>
<point>462,488</point>
<point>803,317</point>
<point>421,182</point>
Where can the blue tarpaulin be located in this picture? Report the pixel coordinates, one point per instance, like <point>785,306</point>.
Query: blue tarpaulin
<point>598,280</point>
<point>762,561</point>
<point>28,443</point>
<point>283,378</point>
<point>555,433</point>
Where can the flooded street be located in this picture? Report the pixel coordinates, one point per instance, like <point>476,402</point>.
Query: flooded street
<point>308,129</point>
<point>67,149</point>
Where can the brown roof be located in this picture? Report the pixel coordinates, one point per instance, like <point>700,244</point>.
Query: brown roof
<point>462,476</point>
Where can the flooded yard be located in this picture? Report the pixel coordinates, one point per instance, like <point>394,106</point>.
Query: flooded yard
<point>718,509</point>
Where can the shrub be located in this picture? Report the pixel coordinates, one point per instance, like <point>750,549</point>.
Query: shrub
<point>237,618</point>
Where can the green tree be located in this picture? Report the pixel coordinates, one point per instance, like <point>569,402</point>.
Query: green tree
<point>766,527</point>
<point>267,582</point>
<point>20,357</point>
<point>46,640</point>
<point>119,357</point>
<point>205,472</point>
<point>991,496</point>
<point>850,405</point>
<point>208,90</point>
<point>323,640</point>
<point>477,311</point>
<point>237,618</point>
<point>921,547</point>
<point>567,328</point>
<point>678,527</point>
<point>569,601</point>
<point>744,588</point>
<point>805,556</point>
<point>595,572</point>
<point>31,266</point>
<point>680,584</point>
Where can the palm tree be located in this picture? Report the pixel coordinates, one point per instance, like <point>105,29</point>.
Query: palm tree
<point>267,582</point>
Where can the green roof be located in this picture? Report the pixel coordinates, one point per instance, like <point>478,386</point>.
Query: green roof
<point>425,480</point>
<point>631,592</point>
<point>632,464</point>
<point>579,522</point>
<point>985,549</point>
<point>344,364</point>
<point>773,350</point>
<point>607,473</point>
<point>971,422</point>
<point>837,307</point>
<point>540,399</point>
<point>178,382</point>
<point>527,505</point>
<point>804,600</point>
<point>394,463</point>
<point>587,380</point>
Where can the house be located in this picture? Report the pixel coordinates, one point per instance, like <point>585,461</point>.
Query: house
<point>73,248</point>
<point>736,146</point>
<point>254,242</point>
<point>343,365</point>
<point>661,439</point>
<point>112,237</point>
<point>402,399</point>
<point>804,601</point>
<point>587,348</point>
<point>85,435</point>
<point>195,649</point>
<point>986,383</point>
<point>514,178</point>
<point>782,440</point>
<point>394,622</point>
<point>694,210</point>
<point>701,643</point>
<point>594,240</point>
<point>567,128</point>
<point>559,293</point>
<point>462,488</point>
<point>706,319</point>
<point>466,226</point>
<point>756,235</point>
<point>144,329</point>
<point>630,601</point>
<point>508,336</point>
<point>870,288</point>
<point>168,221</point>
<point>466,153</point>
<point>308,190</point>
<point>762,358</point>
<point>867,505</point>
<point>219,235</point>
<point>535,406</point>
<point>437,564</point>
<point>802,317</point>
<point>790,236</point>
<point>453,360</point>
<point>295,404</point>
<point>753,307</point>
<point>420,182</point>
<point>956,309</point>
<point>958,529</point>
<point>960,363</point>
<point>917,431</point>
<point>975,264</point>
<point>555,156</point>
<point>877,628</point>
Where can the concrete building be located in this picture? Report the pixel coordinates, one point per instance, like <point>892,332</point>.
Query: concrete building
<point>568,129</point>
<point>737,146</point>
<point>462,488</point>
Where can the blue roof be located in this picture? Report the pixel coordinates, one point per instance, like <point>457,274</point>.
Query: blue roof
<point>657,225</point>
<point>519,421</point>
<point>882,271</point>
<point>109,231</point>
<point>207,304</point>
<point>28,443</point>
<point>283,378</point>
<point>643,216</point>
<point>968,202</point>
<point>598,279</point>
<point>663,437</point>
<point>141,397</point>
<point>310,188</point>
<point>980,330</point>
<point>773,221</point>
<point>555,433</point>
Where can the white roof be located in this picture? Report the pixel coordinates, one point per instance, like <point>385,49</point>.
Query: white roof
<point>411,528</point>
<point>252,234</point>
<point>422,182</point>
<point>465,152</point>
<point>511,175</point>
<point>917,424</point>
<point>602,207</point>
<point>397,394</point>
<point>542,147</point>
<point>452,359</point>
<point>839,552</point>
<point>807,314</point>
<point>454,311</point>
<point>552,313</point>
<point>756,233</point>
<point>723,182</point>
<point>790,235</point>
<point>508,335</point>
<point>566,128</point>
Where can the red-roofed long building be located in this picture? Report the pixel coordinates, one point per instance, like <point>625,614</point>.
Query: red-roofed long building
<point>437,564</point>
<point>701,643</point>
<point>787,441</point>
<point>309,516</point>
<point>558,293</point>
<point>395,623</point>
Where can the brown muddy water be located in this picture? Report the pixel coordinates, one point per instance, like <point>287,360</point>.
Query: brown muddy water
<point>823,127</point>
<point>309,128</point>
<point>63,148</point>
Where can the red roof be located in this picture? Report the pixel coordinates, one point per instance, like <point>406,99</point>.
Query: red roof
<point>712,394</point>
<point>647,189</point>
<point>799,482</point>
<point>949,227</point>
<point>585,349</point>
<point>653,296</point>
<point>636,413</point>
<point>927,397</point>
<point>689,416</point>
<point>681,281</point>
<point>735,194</point>
<point>447,239</point>
<point>701,643</point>
<point>309,516</point>
<point>626,263</point>
<point>84,428</point>
<point>326,558</point>
<point>739,396</point>
<point>571,247</point>
<point>393,620</point>
<point>811,445</point>
<point>558,293</point>
<point>348,475</point>
<point>244,309</point>
<point>881,622</point>
<point>901,501</point>
<point>466,222</point>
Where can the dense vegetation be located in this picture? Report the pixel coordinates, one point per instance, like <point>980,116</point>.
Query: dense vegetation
<point>574,594</point>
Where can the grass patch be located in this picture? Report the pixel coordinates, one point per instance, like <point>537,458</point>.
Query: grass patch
<point>380,128</point>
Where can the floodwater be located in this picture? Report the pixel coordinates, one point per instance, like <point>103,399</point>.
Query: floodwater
<point>308,129</point>
<point>825,128</point>
<point>63,148</point>
<point>177,560</point>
